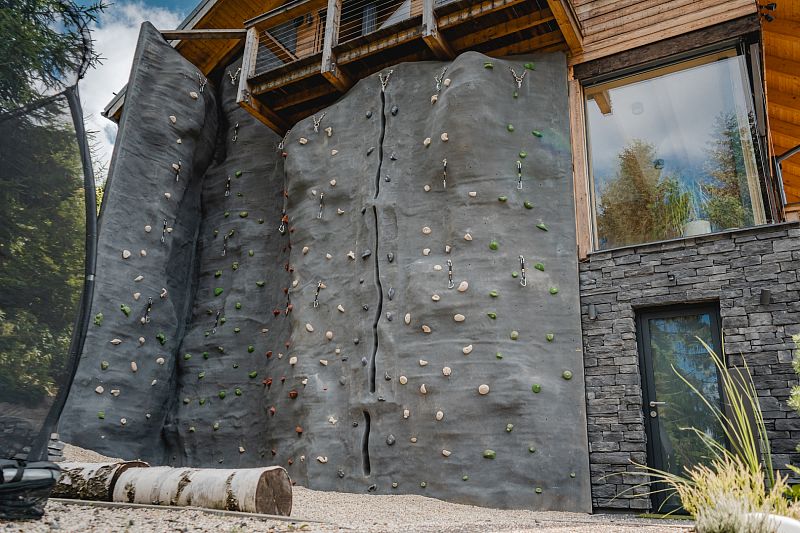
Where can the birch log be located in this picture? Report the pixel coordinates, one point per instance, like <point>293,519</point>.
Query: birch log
<point>252,490</point>
<point>91,481</point>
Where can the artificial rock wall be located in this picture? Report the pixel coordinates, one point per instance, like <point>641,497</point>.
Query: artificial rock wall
<point>384,341</point>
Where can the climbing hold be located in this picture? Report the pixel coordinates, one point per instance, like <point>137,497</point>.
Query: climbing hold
<point>104,365</point>
<point>492,315</point>
<point>426,328</point>
<point>423,484</point>
<point>259,283</point>
<point>423,362</point>
<point>527,204</point>
<point>406,413</point>
<point>463,286</point>
<point>160,361</point>
<point>515,274</point>
<point>542,226</point>
<point>162,339</point>
<point>446,453</point>
<point>446,371</point>
<point>529,66</point>
<point>426,142</point>
<point>447,82</point>
<point>390,257</point>
<point>328,256</point>
<point>510,127</point>
<point>459,317</point>
<point>502,198</point>
<point>467,349</point>
<point>426,230</point>
<point>143,253</point>
<point>351,255</point>
<point>302,140</point>
<point>340,308</point>
<point>218,291</point>
<point>499,355</point>
<point>467,237</point>
<point>173,119</point>
<point>243,214</point>
<point>567,374</point>
<point>403,380</point>
<point>532,449</point>
<point>473,194</point>
<point>536,133</point>
<point>390,440</point>
<point>329,335</point>
<point>444,137</point>
<point>305,250</point>
<point>293,360</point>
<point>148,228</point>
<point>553,290</point>
<point>334,152</point>
<point>194,95</point>
<point>98,319</point>
<point>413,440</point>
<point>134,366</point>
<point>238,305</point>
<point>538,490</point>
<point>536,388</point>
<point>483,389</point>
<point>434,98</point>
<point>368,114</point>
<point>494,245</point>
<point>328,131</point>
<point>115,342</point>
<point>407,318</point>
<point>167,195</point>
<point>523,154</point>
<point>366,254</point>
<point>439,415</point>
<point>237,391</point>
<point>549,337</point>
<point>435,297</point>
<point>394,110</point>
<point>222,394</point>
<point>99,389</point>
<point>488,64</point>
<point>514,335</point>
<point>489,454</point>
<point>493,294</point>
<point>509,428</point>
<point>187,356</point>
<point>423,389</point>
<point>126,254</point>
<point>426,251</point>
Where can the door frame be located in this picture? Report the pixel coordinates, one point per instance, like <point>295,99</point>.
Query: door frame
<point>653,438</point>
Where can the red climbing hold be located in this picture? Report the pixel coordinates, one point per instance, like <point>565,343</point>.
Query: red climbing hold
<point>293,394</point>
<point>298,430</point>
<point>267,382</point>
<point>272,410</point>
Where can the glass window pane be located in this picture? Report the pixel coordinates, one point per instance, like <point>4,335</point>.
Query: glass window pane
<point>671,152</point>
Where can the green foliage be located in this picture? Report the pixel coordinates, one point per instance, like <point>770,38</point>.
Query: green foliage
<point>43,47</point>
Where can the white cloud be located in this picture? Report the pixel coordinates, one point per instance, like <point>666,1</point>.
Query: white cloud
<point>115,40</point>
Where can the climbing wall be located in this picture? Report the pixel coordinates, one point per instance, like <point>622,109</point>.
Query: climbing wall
<point>385,300</point>
<point>435,332</point>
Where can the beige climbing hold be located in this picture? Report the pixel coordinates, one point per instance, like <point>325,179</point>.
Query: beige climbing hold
<point>437,268</point>
<point>329,335</point>
<point>148,228</point>
<point>334,152</point>
<point>446,453</point>
<point>473,194</point>
<point>447,82</point>
<point>423,389</point>
<point>99,389</point>
<point>426,230</point>
<point>126,254</point>
<point>340,308</point>
<point>329,131</point>
<point>134,366</point>
<point>339,211</point>
<point>426,142</point>
<point>414,440</point>
<point>114,392</point>
<point>116,342</point>
<point>444,137</point>
<point>426,328</point>
<point>163,293</point>
<point>173,119</point>
<point>467,237</point>
<point>293,360</point>
<point>143,253</point>
<point>483,389</point>
<point>309,328</point>
<point>337,351</point>
<point>322,459</point>
<point>458,317</point>
<point>302,140</point>
<point>138,278</point>
<point>332,420</point>
<point>176,167</point>
<point>333,183</point>
<point>160,361</point>
<point>407,318</point>
<point>305,250</point>
<point>351,254</point>
<point>439,415</point>
<point>467,349</point>
<point>169,230</point>
<point>123,421</point>
<point>434,98</point>
<point>137,295</point>
<point>427,188</point>
<point>313,192</point>
<point>323,362</point>
<point>446,371</point>
<point>423,362</point>
<point>304,382</point>
<point>167,195</point>
<point>406,413</point>
<point>141,339</point>
<point>295,283</point>
<point>426,251</point>
<point>178,141</point>
<point>435,298</point>
<point>328,256</point>
<point>194,95</point>
<point>403,380</point>
<point>241,449</point>
<point>447,248</point>
<point>463,286</point>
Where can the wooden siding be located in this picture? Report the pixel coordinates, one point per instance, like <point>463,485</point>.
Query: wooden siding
<point>612,26</point>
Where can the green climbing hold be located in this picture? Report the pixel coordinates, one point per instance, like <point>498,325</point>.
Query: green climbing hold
<point>215,426</point>
<point>536,388</point>
<point>218,273</point>
<point>162,339</point>
<point>260,283</point>
<point>251,349</point>
<point>514,335</point>
<point>227,214</point>
<point>238,392</point>
<point>553,290</point>
<point>516,94</point>
<point>238,305</point>
<point>201,401</point>
<point>101,415</point>
<point>494,245</point>
<point>235,265</point>
<point>567,374</point>
<point>523,154</point>
<point>529,66</point>
<point>218,291</point>
<point>532,449</point>
<point>489,454</point>
<point>536,133</point>
<point>222,394</point>
<point>515,274</point>
<point>238,173</point>
<point>549,337</point>
<point>538,490</point>
<point>502,198</point>
<point>488,64</point>
<point>493,294</point>
<point>542,226</point>
<point>243,214</point>
<point>251,253</point>
<point>205,355</point>
<point>98,319</point>
<point>191,429</point>
<point>104,365</point>
<point>528,204</point>
<point>510,127</point>
<point>201,375</point>
<point>222,320</point>
<point>187,356</point>
<point>239,194</point>
<point>572,475</point>
<point>492,315</point>
<point>126,310</point>
<point>539,266</point>
<point>509,428</point>
<point>237,330</point>
<point>465,478</point>
<point>423,484</point>
<point>499,355</point>
<point>206,333</point>
<point>260,221</point>
<point>252,374</point>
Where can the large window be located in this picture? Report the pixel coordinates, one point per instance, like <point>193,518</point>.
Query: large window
<point>671,152</point>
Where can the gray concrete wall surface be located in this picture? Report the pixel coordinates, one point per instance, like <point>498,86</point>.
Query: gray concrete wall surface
<point>728,270</point>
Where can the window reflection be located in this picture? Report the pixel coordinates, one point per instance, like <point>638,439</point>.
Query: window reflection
<point>671,152</point>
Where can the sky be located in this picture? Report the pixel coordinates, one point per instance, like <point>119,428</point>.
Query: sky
<point>115,37</point>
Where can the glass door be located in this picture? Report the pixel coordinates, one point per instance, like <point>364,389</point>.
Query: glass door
<point>668,346</point>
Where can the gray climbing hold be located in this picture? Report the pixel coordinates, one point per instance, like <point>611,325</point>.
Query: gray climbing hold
<point>390,257</point>
<point>394,110</point>
<point>389,316</point>
<point>390,293</point>
<point>368,114</point>
<point>366,254</point>
<point>364,361</point>
<point>390,440</point>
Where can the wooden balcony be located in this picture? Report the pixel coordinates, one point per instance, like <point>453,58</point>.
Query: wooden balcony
<point>301,56</point>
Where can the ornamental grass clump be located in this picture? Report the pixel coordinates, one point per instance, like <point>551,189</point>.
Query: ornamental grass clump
<point>738,486</point>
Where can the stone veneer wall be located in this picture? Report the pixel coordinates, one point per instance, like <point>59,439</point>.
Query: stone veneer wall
<point>730,268</point>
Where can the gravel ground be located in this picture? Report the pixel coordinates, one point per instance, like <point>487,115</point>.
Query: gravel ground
<point>323,512</point>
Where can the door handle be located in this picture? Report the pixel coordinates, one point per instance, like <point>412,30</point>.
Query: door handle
<point>656,404</point>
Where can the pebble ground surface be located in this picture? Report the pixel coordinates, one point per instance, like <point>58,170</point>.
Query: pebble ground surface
<point>315,511</point>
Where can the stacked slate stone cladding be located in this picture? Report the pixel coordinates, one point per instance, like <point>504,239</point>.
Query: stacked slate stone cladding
<point>729,268</point>
<point>387,337</point>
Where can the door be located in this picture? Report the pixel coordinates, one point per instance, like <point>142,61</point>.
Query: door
<point>668,344</point>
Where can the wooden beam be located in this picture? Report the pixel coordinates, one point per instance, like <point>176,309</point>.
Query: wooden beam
<point>214,59</point>
<point>329,67</point>
<point>789,29</point>
<point>474,11</point>
<point>274,46</point>
<point>784,67</point>
<point>501,30</point>
<point>174,35</point>
<point>299,97</point>
<point>264,114</point>
<point>783,100</point>
<point>580,169</point>
<point>528,45</point>
<point>603,101</point>
<point>430,33</point>
<point>294,75</point>
<point>568,24</point>
<point>785,129</point>
<point>284,13</point>
<point>379,45</point>
<point>244,97</point>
